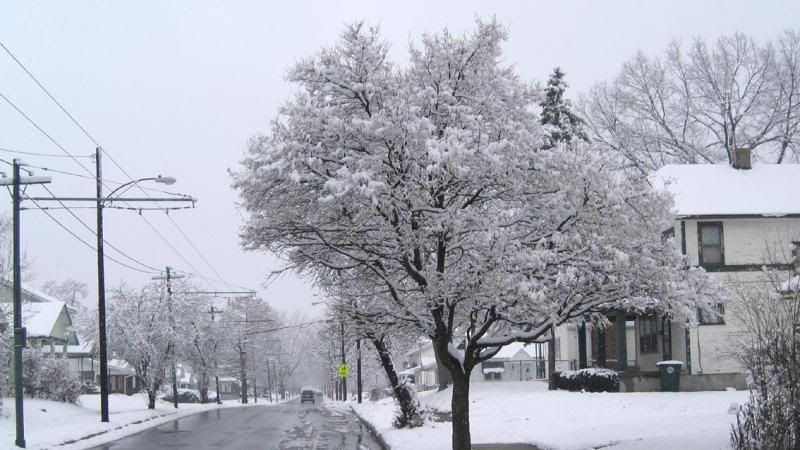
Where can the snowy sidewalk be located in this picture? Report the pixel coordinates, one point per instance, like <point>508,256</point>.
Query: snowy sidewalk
<point>527,413</point>
<point>71,427</point>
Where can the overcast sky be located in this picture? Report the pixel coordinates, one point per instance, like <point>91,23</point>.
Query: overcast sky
<point>177,88</point>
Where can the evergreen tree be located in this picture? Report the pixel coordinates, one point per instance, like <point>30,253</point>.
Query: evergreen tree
<point>561,124</point>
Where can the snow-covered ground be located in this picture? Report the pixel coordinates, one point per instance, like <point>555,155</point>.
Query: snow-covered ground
<point>49,424</point>
<point>526,412</point>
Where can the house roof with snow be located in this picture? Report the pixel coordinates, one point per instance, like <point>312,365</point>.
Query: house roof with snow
<point>29,294</point>
<point>721,190</point>
<point>511,351</point>
<point>45,320</point>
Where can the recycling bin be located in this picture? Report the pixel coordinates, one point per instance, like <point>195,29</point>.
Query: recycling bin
<point>670,375</point>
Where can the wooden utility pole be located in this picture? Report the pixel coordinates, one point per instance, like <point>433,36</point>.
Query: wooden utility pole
<point>20,337</point>
<point>169,277</point>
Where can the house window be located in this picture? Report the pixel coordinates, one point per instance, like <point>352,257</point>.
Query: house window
<point>714,317</point>
<point>493,370</point>
<point>710,244</point>
<point>648,334</point>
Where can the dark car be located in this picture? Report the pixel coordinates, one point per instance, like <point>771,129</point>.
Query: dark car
<point>184,396</point>
<point>307,395</point>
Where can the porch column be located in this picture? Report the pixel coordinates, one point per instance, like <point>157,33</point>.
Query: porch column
<point>582,364</point>
<point>622,348</point>
<point>601,347</point>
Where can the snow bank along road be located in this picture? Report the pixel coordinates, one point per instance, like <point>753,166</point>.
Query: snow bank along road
<point>283,427</point>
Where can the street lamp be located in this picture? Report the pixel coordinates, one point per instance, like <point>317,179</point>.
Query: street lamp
<point>101,276</point>
<point>101,201</point>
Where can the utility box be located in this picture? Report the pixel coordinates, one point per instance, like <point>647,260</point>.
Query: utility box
<point>670,375</point>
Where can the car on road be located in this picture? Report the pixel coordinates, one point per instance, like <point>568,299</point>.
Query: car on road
<point>307,395</point>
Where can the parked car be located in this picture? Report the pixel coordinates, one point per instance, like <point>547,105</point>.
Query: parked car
<point>184,396</point>
<point>308,395</point>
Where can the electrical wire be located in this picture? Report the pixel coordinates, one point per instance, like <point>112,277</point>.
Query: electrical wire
<point>94,178</point>
<point>49,155</point>
<point>61,147</point>
<point>110,258</point>
<point>69,210</point>
<point>44,133</point>
<point>100,147</point>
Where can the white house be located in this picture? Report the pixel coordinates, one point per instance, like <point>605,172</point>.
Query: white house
<point>514,362</point>
<point>732,222</point>
<point>47,324</point>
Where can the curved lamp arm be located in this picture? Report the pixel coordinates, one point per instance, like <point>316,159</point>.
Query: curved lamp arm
<point>158,179</point>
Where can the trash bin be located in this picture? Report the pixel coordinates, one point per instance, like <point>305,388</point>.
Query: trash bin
<point>670,375</point>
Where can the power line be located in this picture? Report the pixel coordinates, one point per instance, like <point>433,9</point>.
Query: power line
<point>69,210</point>
<point>49,155</point>
<point>94,178</point>
<point>44,133</point>
<point>86,243</point>
<point>61,147</point>
<point>97,144</point>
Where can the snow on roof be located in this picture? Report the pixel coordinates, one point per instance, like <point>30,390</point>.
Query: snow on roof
<point>82,348</point>
<point>719,189</point>
<point>508,351</point>
<point>39,318</point>
<point>37,293</point>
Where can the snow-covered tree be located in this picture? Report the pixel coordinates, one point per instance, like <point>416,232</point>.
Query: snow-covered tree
<point>140,333</point>
<point>699,104</point>
<point>770,351</point>
<point>561,124</point>
<point>70,291</point>
<point>432,181</point>
<point>352,299</point>
<point>247,322</point>
<point>200,347</point>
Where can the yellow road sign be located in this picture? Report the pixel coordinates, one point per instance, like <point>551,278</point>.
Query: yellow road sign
<point>344,371</point>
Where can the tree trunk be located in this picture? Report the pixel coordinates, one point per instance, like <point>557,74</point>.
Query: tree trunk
<point>203,386</point>
<point>443,375</point>
<point>151,398</point>
<point>408,410</point>
<point>552,382</point>
<point>462,440</point>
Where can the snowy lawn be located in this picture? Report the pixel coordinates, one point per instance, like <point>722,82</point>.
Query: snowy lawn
<point>49,424</point>
<point>526,412</point>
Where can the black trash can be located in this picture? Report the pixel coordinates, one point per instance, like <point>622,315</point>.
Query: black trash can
<point>670,375</point>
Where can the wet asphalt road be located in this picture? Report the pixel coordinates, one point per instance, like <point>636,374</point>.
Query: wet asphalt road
<point>288,426</point>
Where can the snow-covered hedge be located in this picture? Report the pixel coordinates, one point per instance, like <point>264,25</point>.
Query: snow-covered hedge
<point>48,376</point>
<point>591,380</point>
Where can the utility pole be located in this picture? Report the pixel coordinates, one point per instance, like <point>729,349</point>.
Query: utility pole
<point>255,376</point>
<point>20,337</point>
<point>358,368</point>
<point>244,373</point>
<point>243,360</point>
<point>101,292</point>
<point>269,380</point>
<point>171,350</point>
<point>99,200</point>
<point>344,379</point>
<point>216,366</point>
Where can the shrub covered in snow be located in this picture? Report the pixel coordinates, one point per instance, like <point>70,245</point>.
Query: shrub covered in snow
<point>48,376</point>
<point>416,416</point>
<point>771,354</point>
<point>6,347</point>
<point>591,380</point>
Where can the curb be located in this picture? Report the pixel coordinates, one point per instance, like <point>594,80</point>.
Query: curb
<point>372,429</point>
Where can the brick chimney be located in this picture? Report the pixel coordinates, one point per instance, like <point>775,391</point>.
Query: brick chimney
<point>741,159</point>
